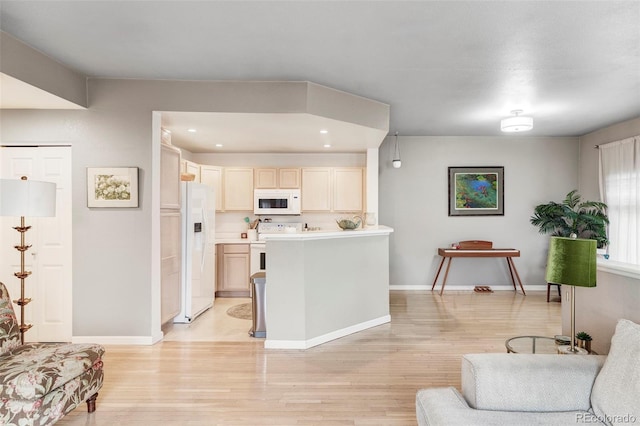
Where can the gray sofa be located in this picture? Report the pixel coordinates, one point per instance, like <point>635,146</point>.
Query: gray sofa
<point>519,389</point>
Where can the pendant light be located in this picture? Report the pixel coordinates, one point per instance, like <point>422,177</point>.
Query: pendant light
<point>397,163</point>
<point>517,123</point>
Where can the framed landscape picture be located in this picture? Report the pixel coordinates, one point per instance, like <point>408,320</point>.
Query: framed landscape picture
<point>112,187</point>
<point>476,191</point>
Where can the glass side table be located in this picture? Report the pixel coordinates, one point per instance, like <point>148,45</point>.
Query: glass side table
<point>531,345</point>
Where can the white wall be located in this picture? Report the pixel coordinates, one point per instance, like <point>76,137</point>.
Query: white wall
<point>413,201</point>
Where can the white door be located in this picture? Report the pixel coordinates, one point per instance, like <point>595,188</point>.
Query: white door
<point>49,259</point>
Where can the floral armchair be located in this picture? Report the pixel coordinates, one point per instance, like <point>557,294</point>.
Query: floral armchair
<point>42,382</point>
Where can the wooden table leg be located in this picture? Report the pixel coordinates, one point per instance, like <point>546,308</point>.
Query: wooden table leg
<point>517,275</point>
<point>438,273</point>
<point>446,273</point>
<point>513,280</point>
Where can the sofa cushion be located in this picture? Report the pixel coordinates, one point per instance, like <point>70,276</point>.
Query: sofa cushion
<point>35,369</point>
<point>445,406</point>
<point>615,397</point>
<point>9,327</point>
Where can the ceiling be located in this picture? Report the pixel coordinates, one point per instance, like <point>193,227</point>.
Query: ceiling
<point>444,67</point>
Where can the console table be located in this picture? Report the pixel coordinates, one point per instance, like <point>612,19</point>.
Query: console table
<point>508,254</point>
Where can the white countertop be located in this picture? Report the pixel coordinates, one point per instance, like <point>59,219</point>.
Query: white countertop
<point>230,238</point>
<point>232,241</point>
<point>321,235</point>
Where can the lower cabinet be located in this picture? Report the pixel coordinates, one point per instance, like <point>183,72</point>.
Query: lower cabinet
<point>233,270</point>
<point>171,265</point>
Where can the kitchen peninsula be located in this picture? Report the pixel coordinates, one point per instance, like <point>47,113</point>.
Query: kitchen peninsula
<point>325,285</point>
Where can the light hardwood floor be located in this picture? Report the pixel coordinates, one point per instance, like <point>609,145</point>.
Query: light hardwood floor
<point>369,378</point>
<point>214,325</point>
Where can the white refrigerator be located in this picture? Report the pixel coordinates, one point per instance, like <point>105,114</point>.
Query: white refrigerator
<point>198,244</point>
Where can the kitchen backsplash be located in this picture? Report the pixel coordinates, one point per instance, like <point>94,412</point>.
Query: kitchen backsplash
<point>234,223</point>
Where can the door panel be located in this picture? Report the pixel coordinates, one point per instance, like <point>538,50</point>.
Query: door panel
<point>49,258</point>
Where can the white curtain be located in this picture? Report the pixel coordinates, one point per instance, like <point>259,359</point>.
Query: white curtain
<point>620,190</point>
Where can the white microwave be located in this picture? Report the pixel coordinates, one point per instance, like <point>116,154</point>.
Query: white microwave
<point>276,201</point>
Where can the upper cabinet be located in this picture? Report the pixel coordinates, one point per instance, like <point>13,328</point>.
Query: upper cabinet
<point>332,189</point>
<point>316,189</point>
<point>238,188</point>
<point>348,189</point>
<point>169,177</point>
<point>272,178</point>
<point>266,178</point>
<point>323,189</point>
<point>212,176</point>
<point>289,178</point>
<point>191,168</point>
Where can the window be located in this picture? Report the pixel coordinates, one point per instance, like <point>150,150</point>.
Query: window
<point>620,190</point>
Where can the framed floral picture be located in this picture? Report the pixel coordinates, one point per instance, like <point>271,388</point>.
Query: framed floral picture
<point>112,187</point>
<point>476,191</point>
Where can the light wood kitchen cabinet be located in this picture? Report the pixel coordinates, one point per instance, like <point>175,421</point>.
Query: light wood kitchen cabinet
<point>212,176</point>
<point>192,168</point>
<point>233,270</point>
<point>289,178</point>
<point>170,265</point>
<point>332,189</point>
<point>238,188</point>
<point>277,178</point>
<point>348,189</point>
<point>170,233</point>
<point>266,178</point>
<point>316,189</point>
<point>169,177</point>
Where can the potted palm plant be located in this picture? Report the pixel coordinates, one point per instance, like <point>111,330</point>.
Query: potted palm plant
<point>586,219</point>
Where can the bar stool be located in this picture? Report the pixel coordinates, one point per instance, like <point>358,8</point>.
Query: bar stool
<point>549,290</point>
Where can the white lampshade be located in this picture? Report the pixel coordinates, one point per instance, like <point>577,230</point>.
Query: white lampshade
<point>27,198</point>
<point>516,123</point>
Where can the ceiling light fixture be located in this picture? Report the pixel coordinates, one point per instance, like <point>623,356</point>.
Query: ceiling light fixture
<point>397,163</point>
<point>219,145</point>
<point>191,130</point>
<point>324,132</point>
<point>516,123</point>
<point>326,145</point>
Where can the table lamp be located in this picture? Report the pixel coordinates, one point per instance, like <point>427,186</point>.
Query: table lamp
<point>572,262</point>
<point>22,198</point>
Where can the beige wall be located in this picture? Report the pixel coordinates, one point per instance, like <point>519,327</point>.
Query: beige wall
<point>616,296</point>
<point>32,67</point>
<point>115,277</point>
<point>413,200</point>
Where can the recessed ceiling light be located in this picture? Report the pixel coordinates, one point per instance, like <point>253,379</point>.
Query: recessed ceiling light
<point>219,145</point>
<point>326,145</point>
<point>324,132</point>
<point>191,130</point>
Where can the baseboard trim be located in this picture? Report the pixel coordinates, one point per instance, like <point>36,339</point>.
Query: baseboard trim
<point>450,287</point>
<point>306,344</point>
<point>116,340</point>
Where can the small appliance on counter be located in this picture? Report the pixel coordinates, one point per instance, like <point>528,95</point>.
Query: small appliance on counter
<point>265,228</point>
